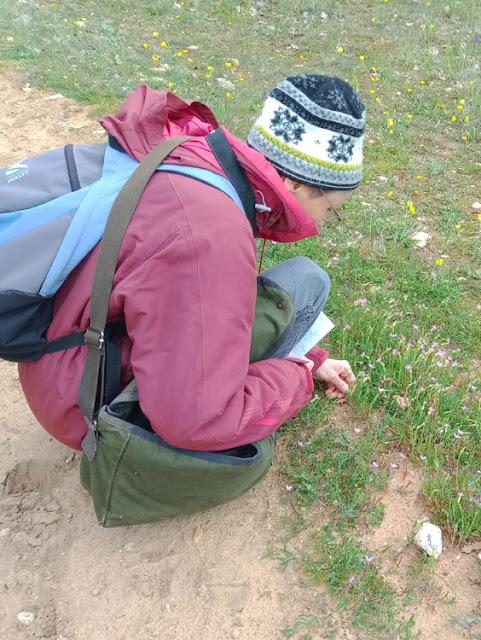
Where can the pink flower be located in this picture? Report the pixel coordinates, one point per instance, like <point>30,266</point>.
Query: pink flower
<point>348,327</point>
<point>409,367</point>
<point>289,487</point>
<point>351,580</point>
<point>431,409</point>
<point>394,351</point>
<point>375,464</point>
<point>299,443</point>
<point>361,301</point>
<point>464,407</point>
<point>422,457</point>
<point>393,465</point>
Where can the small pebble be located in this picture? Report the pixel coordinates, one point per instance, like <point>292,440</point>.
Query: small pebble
<point>26,617</point>
<point>4,532</point>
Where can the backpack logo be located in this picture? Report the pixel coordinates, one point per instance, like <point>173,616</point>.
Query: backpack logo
<point>16,171</point>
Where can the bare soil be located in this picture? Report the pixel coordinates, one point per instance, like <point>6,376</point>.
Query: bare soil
<point>205,577</point>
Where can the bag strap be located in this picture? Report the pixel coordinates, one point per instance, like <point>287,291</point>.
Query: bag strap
<point>117,223</point>
<point>233,169</point>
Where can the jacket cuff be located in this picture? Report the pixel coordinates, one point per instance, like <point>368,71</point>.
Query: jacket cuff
<point>318,356</point>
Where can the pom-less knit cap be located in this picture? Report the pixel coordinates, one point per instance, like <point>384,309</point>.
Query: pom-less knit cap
<point>311,129</point>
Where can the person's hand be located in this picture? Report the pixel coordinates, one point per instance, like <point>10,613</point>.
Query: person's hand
<point>338,375</point>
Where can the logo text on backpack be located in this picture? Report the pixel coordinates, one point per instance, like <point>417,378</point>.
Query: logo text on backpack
<point>16,171</point>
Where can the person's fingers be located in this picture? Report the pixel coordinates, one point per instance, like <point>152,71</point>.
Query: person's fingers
<point>333,392</point>
<point>350,377</point>
<point>340,384</point>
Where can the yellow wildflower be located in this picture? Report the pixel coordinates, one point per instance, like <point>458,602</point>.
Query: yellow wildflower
<point>145,45</point>
<point>479,217</point>
<point>163,44</point>
<point>410,90</point>
<point>422,82</point>
<point>155,34</point>
<point>389,194</point>
<point>171,84</point>
<point>361,57</point>
<point>229,95</point>
<point>410,115</point>
<point>378,99</point>
<point>453,119</point>
<point>411,207</point>
<point>155,58</point>
<point>372,91</point>
<point>465,137</point>
<point>439,261</point>
<point>466,118</point>
<point>189,60</point>
<point>458,226</point>
<point>460,106</point>
<point>179,53</point>
<point>462,101</point>
<point>340,50</point>
<point>420,177</point>
<point>209,68</point>
<point>228,64</point>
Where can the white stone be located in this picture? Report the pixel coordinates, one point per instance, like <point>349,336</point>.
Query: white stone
<point>227,84</point>
<point>476,205</point>
<point>429,538</point>
<point>26,617</point>
<point>420,238</point>
<point>4,532</point>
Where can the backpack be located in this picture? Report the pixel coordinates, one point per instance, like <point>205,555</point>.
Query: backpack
<point>53,210</point>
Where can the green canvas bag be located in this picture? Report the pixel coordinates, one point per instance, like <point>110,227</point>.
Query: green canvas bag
<point>131,473</point>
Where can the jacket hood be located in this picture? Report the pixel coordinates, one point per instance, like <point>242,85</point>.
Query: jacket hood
<point>148,116</point>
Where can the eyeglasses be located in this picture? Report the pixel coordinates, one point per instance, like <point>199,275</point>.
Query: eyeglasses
<point>333,214</point>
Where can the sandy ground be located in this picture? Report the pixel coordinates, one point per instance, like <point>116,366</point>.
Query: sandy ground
<point>205,577</point>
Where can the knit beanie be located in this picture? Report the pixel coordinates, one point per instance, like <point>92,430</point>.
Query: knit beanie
<point>311,129</point>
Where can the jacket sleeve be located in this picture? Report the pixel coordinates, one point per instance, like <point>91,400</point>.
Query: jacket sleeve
<point>189,310</point>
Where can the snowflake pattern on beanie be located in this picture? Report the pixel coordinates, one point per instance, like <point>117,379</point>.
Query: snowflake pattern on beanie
<point>340,148</point>
<point>287,126</point>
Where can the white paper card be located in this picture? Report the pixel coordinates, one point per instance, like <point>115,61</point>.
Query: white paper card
<point>321,327</point>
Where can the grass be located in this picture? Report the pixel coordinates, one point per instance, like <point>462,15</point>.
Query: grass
<point>406,318</point>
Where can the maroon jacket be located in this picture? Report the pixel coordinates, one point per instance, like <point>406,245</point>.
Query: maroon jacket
<point>186,285</point>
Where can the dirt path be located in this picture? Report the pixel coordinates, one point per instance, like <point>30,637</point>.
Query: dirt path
<point>205,577</point>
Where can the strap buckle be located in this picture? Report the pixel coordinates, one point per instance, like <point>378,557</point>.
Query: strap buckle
<point>94,338</point>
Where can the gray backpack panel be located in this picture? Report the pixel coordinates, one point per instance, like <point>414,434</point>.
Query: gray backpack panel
<point>47,176</point>
<point>26,259</point>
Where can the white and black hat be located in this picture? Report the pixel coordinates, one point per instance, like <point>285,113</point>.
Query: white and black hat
<point>311,129</point>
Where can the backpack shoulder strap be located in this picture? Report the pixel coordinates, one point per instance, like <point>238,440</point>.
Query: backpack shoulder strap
<point>228,161</point>
<point>118,220</point>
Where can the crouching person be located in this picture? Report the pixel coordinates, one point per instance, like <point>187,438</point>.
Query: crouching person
<point>205,344</point>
